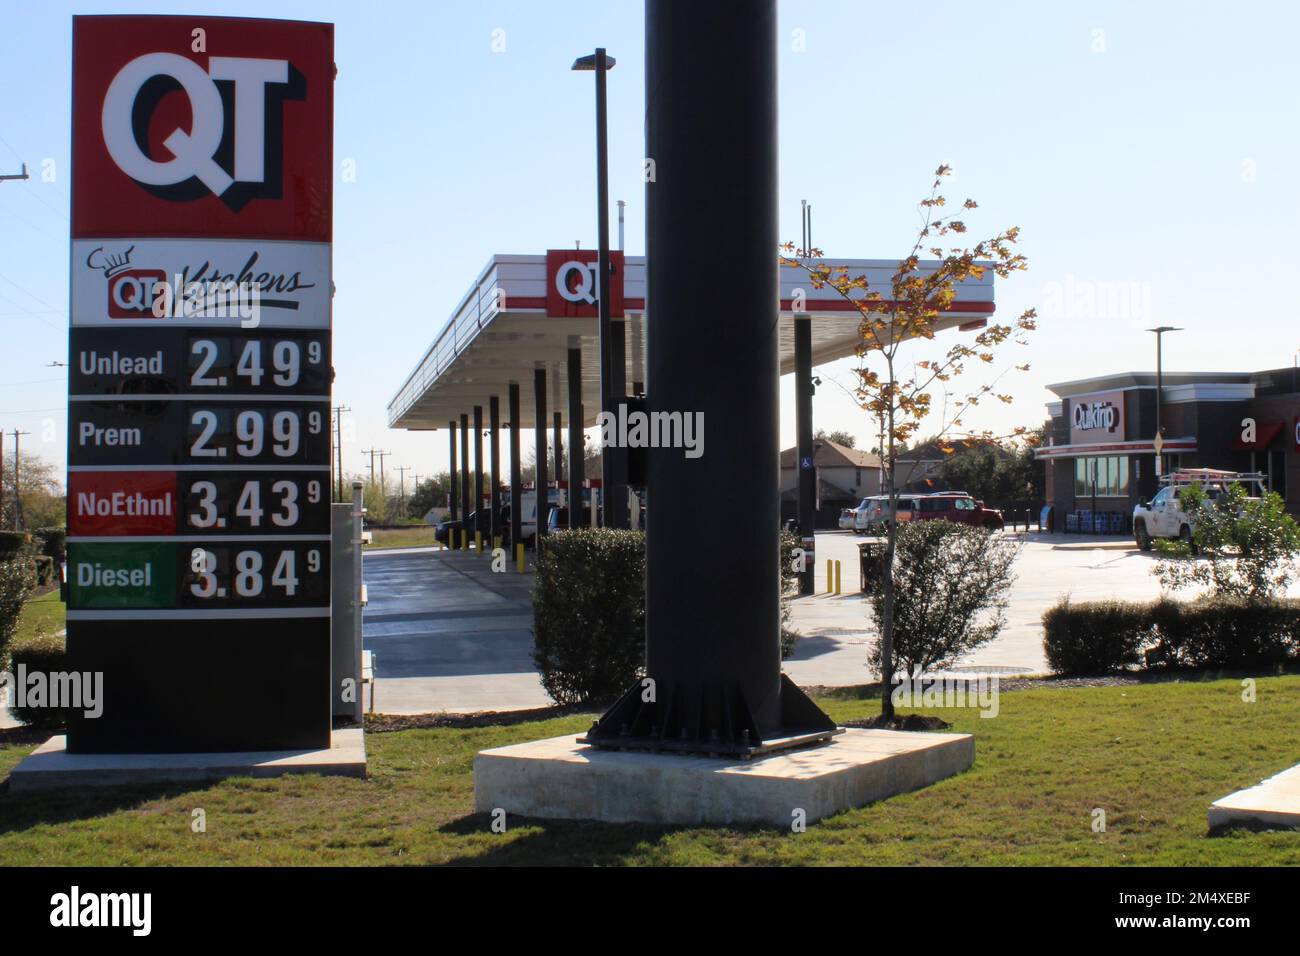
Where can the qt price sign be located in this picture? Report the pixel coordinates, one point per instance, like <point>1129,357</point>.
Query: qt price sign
<point>199,380</point>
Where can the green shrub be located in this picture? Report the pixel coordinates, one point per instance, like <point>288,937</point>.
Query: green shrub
<point>43,654</point>
<point>1215,632</point>
<point>1228,632</point>
<point>45,570</point>
<point>12,543</point>
<point>1096,637</point>
<point>17,578</point>
<point>53,542</point>
<point>951,587</point>
<point>589,613</point>
<point>789,589</point>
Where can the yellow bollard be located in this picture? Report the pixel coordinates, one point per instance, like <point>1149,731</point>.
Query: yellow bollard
<point>830,576</point>
<point>837,577</point>
<point>478,541</point>
<point>519,557</point>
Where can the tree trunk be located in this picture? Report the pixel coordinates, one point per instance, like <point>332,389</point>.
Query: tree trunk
<point>887,571</point>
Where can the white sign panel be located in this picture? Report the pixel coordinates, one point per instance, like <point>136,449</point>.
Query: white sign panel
<point>206,282</point>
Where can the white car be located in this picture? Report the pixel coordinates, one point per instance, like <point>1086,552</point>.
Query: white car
<point>847,518</point>
<point>869,513</point>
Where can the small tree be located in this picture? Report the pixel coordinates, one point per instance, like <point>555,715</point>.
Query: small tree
<point>898,401</point>
<point>951,587</point>
<point>1246,546</point>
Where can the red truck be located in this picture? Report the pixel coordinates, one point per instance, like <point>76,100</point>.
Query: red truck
<point>958,507</point>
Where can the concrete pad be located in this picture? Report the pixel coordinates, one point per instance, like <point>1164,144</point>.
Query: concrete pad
<point>561,778</point>
<point>51,767</point>
<point>1275,802</point>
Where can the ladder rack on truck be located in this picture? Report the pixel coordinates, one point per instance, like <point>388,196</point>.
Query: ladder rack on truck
<point>1215,478</point>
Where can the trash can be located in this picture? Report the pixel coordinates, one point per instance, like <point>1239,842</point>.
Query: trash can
<point>870,555</point>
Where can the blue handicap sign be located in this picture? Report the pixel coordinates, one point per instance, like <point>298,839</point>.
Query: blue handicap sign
<point>805,463</point>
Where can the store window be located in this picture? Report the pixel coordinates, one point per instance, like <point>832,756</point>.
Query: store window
<point>1109,472</point>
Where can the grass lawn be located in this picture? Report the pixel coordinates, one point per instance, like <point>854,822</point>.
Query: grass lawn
<point>1153,756</point>
<point>41,615</point>
<point>416,536</point>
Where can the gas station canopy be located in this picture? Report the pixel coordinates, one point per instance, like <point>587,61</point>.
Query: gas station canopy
<point>525,312</point>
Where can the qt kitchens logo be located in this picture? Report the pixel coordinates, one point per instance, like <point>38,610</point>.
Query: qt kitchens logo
<point>230,156</point>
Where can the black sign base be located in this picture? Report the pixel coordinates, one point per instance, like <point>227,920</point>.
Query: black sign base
<point>203,686</point>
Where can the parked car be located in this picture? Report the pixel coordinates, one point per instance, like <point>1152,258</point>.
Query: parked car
<point>559,517</point>
<point>959,508</point>
<point>447,531</point>
<point>868,516</point>
<point>848,518</point>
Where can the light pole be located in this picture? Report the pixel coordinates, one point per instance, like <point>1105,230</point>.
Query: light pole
<point>1160,391</point>
<point>613,495</point>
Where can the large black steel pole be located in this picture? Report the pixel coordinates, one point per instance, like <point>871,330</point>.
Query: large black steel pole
<point>516,473</point>
<point>712,639</point>
<point>494,478</point>
<point>575,438</point>
<point>712,286</point>
<point>452,478</point>
<point>480,524</point>
<point>806,474</point>
<point>539,448</point>
<point>465,508</point>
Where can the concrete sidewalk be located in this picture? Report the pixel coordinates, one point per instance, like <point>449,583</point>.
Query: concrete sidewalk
<point>838,631</point>
<point>451,635</point>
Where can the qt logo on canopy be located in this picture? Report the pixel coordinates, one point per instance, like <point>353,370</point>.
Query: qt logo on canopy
<point>233,148</point>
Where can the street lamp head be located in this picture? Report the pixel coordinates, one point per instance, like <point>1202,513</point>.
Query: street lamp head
<point>587,64</point>
<point>1165,328</point>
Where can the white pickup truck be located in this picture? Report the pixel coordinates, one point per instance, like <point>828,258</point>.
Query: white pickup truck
<point>1163,515</point>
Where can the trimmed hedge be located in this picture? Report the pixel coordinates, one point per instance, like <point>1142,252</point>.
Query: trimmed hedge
<point>46,570</point>
<point>12,543</point>
<point>589,613</point>
<point>53,542</point>
<point>17,578</point>
<point>44,654</point>
<point>1101,636</point>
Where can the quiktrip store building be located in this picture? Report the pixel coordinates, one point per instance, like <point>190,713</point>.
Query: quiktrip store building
<point>1101,453</point>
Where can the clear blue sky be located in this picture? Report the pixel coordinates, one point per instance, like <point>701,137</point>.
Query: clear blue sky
<point>1157,155</point>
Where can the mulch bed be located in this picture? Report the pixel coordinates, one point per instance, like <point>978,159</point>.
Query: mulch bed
<point>387,723</point>
<point>16,736</point>
<point>905,722</point>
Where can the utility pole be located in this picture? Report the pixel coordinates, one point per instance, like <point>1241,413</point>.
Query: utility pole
<point>401,493</point>
<point>22,175</point>
<point>338,446</point>
<point>372,452</point>
<point>382,455</point>
<point>18,498</point>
